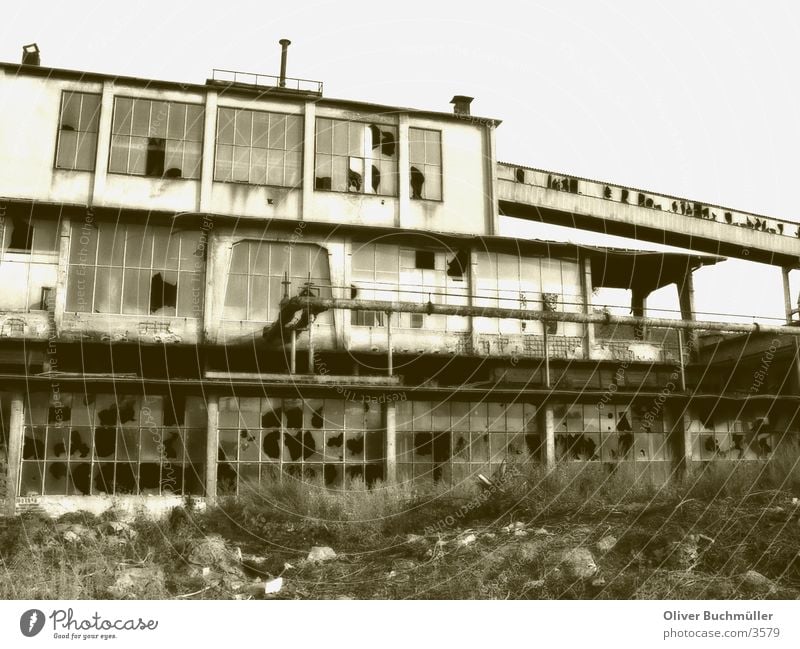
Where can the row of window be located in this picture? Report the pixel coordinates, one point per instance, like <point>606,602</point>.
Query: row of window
<point>164,139</point>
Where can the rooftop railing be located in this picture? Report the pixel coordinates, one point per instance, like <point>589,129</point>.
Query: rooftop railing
<point>268,81</point>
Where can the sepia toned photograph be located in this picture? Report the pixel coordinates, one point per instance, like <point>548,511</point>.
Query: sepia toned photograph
<point>344,301</point>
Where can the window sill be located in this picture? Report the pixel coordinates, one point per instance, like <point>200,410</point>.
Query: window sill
<point>245,183</point>
<point>339,191</point>
<point>134,175</point>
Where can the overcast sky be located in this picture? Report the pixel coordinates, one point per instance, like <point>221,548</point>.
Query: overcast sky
<point>697,99</point>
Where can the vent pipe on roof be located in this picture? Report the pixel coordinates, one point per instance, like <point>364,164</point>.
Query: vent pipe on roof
<point>30,54</point>
<point>461,104</point>
<point>285,43</point>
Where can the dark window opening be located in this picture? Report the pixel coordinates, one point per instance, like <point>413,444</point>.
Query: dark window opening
<point>519,175</point>
<point>417,320</point>
<point>417,181</point>
<point>425,260</point>
<point>458,265</point>
<point>163,294</point>
<point>322,182</point>
<point>376,178</point>
<point>21,234</point>
<point>156,151</point>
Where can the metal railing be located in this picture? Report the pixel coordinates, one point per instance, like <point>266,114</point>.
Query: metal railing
<point>235,77</point>
<point>545,179</point>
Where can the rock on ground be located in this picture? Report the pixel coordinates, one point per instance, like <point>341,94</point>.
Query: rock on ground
<point>138,583</point>
<point>320,553</point>
<point>578,563</point>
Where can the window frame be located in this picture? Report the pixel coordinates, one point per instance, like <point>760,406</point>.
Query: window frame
<point>411,163</point>
<point>364,125</point>
<point>193,273</point>
<point>166,139</point>
<point>300,116</point>
<point>59,129</point>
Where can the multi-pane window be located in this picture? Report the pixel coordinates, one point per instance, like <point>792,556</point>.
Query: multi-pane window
<point>730,434</point>
<point>375,276</point>
<point>77,131</point>
<point>356,157</point>
<point>156,138</point>
<point>322,439</point>
<point>257,273</point>
<point>533,283</point>
<point>134,269</point>
<point>611,433</point>
<point>88,444</point>
<point>425,158</point>
<point>259,148</point>
<point>429,275</point>
<point>28,261</point>
<point>454,441</point>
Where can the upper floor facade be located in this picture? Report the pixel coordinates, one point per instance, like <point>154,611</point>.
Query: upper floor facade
<point>241,150</point>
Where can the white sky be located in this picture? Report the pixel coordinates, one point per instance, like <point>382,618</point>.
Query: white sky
<point>697,99</point>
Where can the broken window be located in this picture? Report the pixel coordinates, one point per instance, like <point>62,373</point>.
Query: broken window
<point>424,277</point>
<point>156,138</point>
<point>97,444</point>
<point>458,265</point>
<point>326,439</point>
<point>374,272</point>
<point>77,131</point>
<point>425,158</point>
<point>135,270</point>
<point>452,442</point>
<point>257,273</point>
<point>356,157</point>
<point>259,148</point>
<point>28,262</point>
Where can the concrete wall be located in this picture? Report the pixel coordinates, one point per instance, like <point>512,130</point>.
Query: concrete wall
<point>29,108</point>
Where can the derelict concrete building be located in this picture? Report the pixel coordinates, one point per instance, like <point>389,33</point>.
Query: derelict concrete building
<point>203,286</point>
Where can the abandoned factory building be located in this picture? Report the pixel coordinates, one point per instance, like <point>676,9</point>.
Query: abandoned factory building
<point>204,286</point>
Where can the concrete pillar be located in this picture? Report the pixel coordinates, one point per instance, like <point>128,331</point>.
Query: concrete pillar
<point>588,338</point>
<point>209,142</point>
<point>103,144</point>
<point>788,308</point>
<point>547,435</point>
<point>403,213</point>
<point>309,135</point>
<point>787,295</point>
<point>391,443</point>
<point>212,444</point>
<point>686,300</point>
<point>16,434</point>
<point>686,459</point>
<point>638,306</point>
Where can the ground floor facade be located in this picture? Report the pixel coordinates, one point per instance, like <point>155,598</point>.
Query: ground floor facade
<point>109,444</point>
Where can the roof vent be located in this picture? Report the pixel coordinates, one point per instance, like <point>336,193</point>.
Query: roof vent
<point>461,104</point>
<point>284,43</point>
<point>30,54</point>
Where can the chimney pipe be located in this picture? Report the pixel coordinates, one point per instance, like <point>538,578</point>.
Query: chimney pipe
<point>461,104</point>
<point>30,54</point>
<point>284,43</point>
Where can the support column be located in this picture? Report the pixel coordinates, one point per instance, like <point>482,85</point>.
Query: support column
<point>391,443</point>
<point>788,308</point>
<point>686,459</point>
<point>638,305</point>
<point>787,294</point>
<point>588,338</point>
<point>686,300</point>
<point>16,435</point>
<point>547,435</point>
<point>212,444</point>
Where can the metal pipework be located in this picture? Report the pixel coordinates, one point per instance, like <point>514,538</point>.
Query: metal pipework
<point>323,304</point>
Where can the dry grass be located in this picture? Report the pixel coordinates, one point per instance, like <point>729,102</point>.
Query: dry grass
<point>744,508</point>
